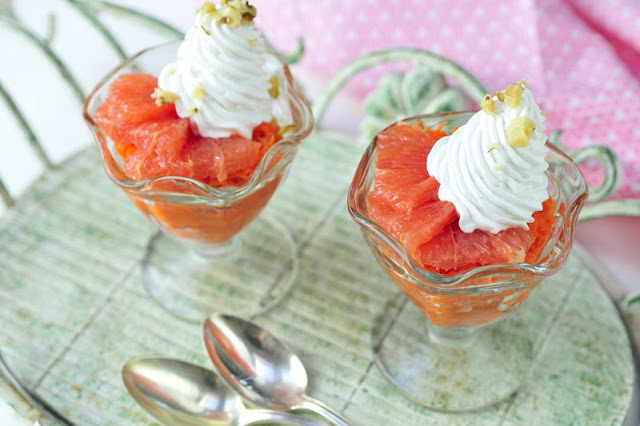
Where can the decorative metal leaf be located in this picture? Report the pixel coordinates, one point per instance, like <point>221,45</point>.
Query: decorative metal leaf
<point>399,95</point>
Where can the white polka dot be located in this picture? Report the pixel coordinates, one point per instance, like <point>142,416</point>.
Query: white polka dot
<point>421,32</point>
<point>479,11</point>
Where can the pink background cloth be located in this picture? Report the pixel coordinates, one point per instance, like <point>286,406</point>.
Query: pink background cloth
<point>582,57</point>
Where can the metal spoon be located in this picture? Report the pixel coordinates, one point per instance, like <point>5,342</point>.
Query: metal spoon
<point>259,367</point>
<point>180,393</point>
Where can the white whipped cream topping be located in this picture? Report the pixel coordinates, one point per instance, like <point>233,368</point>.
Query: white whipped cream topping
<point>493,185</point>
<point>221,77</point>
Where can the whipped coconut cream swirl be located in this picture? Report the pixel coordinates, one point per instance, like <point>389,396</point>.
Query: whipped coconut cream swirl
<point>221,77</point>
<point>494,182</point>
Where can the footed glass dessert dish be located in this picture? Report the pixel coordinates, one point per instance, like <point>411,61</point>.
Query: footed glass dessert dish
<point>214,252</point>
<point>450,349</point>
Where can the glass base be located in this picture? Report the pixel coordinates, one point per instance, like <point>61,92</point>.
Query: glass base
<point>450,370</point>
<point>247,276</point>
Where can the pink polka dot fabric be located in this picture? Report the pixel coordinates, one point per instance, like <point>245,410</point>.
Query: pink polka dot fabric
<point>582,57</point>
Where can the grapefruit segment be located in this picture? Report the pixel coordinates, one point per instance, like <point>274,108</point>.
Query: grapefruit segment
<point>405,189</point>
<point>129,103</point>
<point>157,148</point>
<point>423,223</point>
<point>385,216</point>
<point>404,146</point>
<point>215,161</point>
<point>440,252</point>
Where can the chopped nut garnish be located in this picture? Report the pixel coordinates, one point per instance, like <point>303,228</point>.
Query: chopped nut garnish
<point>172,69</point>
<point>274,89</point>
<point>235,13</point>
<point>287,128</point>
<point>207,7</point>
<point>193,111</point>
<point>497,167</point>
<point>519,131</point>
<point>488,105</point>
<point>163,96</point>
<point>253,43</point>
<point>513,94</point>
<point>198,91</point>
<point>493,146</point>
<point>500,96</point>
<point>544,113</point>
<point>206,31</point>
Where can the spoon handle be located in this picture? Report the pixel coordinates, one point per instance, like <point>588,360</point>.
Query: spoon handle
<point>319,408</point>
<point>258,416</point>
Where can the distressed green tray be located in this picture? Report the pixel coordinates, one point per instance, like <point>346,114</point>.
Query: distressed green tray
<point>74,309</point>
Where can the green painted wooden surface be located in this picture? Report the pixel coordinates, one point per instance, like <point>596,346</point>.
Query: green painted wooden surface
<point>74,308</point>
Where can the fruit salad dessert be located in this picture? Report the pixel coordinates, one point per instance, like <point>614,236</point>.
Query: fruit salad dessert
<point>459,199</point>
<point>210,117</point>
<point>473,198</point>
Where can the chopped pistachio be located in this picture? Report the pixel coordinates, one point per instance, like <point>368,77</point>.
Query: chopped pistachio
<point>172,69</point>
<point>164,96</point>
<point>513,94</point>
<point>519,131</point>
<point>207,7</point>
<point>493,146</point>
<point>236,13</point>
<point>198,91</point>
<point>274,89</point>
<point>193,110</point>
<point>206,31</point>
<point>498,166</point>
<point>500,96</point>
<point>544,113</point>
<point>488,105</point>
<point>253,43</point>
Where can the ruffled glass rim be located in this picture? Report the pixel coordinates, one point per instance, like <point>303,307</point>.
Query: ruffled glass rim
<point>300,113</point>
<point>556,252</point>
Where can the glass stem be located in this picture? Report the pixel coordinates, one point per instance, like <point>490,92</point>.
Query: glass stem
<point>460,337</point>
<point>214,251</point>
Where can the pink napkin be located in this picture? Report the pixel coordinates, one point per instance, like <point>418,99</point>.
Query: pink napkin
<point>582,57</point>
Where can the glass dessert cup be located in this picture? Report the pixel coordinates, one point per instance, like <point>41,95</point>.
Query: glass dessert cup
<point>463,357</point>
<point>211,255</point>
